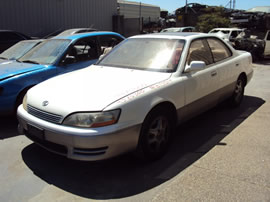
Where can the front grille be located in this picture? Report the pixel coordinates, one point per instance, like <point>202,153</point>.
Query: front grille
<point>53,118</point>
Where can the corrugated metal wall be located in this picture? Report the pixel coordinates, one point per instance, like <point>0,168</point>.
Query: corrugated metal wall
<point>134,10</point>
<point>41,17</point>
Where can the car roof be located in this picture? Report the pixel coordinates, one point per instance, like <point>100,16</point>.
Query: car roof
<point>176,35</point>
<point>78,29</point>
<point>74,30</point>
<point>86,34</point>
<point>178,28</point>
<point>32,40</point>
<point>6,30</point>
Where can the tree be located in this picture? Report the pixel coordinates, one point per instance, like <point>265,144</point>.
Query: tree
<point>213,17</point>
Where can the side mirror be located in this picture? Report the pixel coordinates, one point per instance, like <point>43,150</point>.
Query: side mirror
<point>195,66</point>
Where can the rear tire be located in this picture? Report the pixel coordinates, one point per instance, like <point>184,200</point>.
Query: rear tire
<point>238,93</point>
<point>156,134</point>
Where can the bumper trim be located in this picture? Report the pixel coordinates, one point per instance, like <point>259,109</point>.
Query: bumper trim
<point>81,144</point>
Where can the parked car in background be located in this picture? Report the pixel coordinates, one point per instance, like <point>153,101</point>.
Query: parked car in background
<point>52,57</point>
<point>61,32</point>
<point>8,38</point>
<point>76,31</point>
<point>227,34</point>
<point>18,50</point>
<point>259,47</point>
<point>179,29</point>
<point>132,100</point>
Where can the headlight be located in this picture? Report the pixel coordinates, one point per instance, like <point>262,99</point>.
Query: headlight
<point>24,102</point>
<point>92,119</point>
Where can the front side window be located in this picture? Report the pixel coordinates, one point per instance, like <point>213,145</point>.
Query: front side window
<point>107,42</point>
<point>234,34</point>
<point>199,51</point>
<point>219,50</point>
<point>146,54</point>
<point>87,49</point>
<point>48,52</point>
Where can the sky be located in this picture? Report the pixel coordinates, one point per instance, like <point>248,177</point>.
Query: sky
<point>172,5</point>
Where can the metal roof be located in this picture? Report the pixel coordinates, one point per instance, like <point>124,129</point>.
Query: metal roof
<point>135,3</point>
<point>263,9</point>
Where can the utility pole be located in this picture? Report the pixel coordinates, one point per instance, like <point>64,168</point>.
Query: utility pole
<point>140,16</point>
<point>186,8</point>
<point>234,4</point>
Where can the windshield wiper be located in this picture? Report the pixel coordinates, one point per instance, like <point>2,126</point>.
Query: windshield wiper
<point>30,61</point>
<point>4,58</point>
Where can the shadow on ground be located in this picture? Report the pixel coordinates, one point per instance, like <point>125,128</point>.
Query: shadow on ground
<point>126,176</point>
<point>265,61</point>
<point>8,127</point>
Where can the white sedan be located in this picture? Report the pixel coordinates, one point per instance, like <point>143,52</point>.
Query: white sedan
<point>132,98</point>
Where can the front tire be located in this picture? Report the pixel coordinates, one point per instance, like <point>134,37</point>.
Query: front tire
<point>155,135</point>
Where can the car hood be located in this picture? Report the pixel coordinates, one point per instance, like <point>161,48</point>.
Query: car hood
<point>11,68</point>
<point>90,89</point>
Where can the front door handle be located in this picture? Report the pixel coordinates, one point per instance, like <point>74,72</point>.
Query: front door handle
<point>213,73</point>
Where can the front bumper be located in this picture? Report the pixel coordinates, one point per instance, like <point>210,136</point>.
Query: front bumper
<point>77,143</point>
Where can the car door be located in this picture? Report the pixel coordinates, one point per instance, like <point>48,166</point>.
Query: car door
<point>225,64</point>
<point>267,43</point>
<point>200,87</point>
<point>81,54</point>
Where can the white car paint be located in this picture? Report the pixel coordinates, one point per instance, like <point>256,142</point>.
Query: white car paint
<point>107,86</point>
<point>267,43</point>
<point>135,92</point>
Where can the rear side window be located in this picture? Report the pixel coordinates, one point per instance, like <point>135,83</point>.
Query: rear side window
<point>219,50</point>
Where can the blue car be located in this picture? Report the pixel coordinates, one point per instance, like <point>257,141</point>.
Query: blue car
<point>52,57</point>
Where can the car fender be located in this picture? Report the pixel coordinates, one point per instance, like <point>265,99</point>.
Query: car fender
<point>136,106</point>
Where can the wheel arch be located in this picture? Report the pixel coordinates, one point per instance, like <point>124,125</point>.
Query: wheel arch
<point>244,76</point>
<point>165,105</point>
<point>21,94</point>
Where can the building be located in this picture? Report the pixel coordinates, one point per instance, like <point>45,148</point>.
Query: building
<point>130,9</point>
<point>41,17</point>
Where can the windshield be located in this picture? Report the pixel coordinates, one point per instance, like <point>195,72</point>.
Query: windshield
<point>19,49</point>
<point>146,54</point>
<point>47,52</point>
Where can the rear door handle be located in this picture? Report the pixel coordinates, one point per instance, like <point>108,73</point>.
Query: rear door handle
<point>213,73</point>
